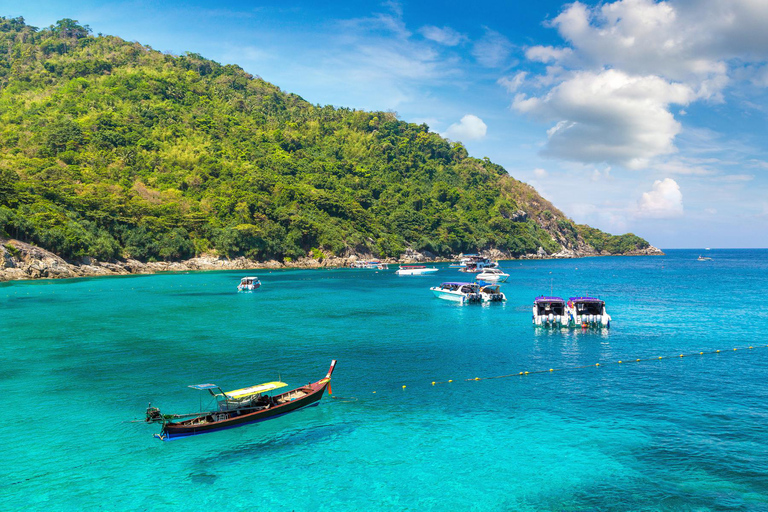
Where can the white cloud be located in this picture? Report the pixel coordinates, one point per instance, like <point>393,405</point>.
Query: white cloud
<point>470,127</point>
<point>540,173</point>
<point>373,63</point>
<point>547,53</point>
<point>601,175</point>
<point>761,164</point>
<point>513,83</point>
<point>664,201</point>
<point>445,35</point>
<point>681,40</point>
<point>492,51</point>
<point>608,117</point>
<point>609,91</point>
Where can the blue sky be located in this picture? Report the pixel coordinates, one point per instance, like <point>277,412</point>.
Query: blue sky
<point>629,115</point>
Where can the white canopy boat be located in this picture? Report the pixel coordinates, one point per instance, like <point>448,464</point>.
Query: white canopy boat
<point>249,284</point>
<point>414,270</point>
<point>492,275</point>
<point>492,293</point>
<point>461,292</point>
<point>370,265</point>
<point>588,312</point>
<point>475,264</point>
<point>550,311</point>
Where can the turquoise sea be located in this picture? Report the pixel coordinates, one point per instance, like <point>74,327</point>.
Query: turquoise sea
<point>81,358</point>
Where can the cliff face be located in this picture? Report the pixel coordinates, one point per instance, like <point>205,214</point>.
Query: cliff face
<point>111,151</point>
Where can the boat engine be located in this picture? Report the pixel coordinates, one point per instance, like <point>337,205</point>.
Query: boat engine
<point>153,414</point>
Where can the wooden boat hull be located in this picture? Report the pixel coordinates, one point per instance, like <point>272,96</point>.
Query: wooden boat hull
<point>231,419</point>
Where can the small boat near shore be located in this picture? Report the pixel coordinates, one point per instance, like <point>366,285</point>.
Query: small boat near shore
<point>415,270</point>
<point>370,265</point>
<point>492,293</point>
<point>249,284</point>
<point>492,275</point>
<point>703,258</point>
<point>237,408</point>
<point>461,292</point>
<point>476,264</point>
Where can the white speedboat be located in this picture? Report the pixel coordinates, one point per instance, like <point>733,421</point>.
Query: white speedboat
<point>476,264</point>
<point>492,275</point>
<point>550,312</point>
<point>461,292</point>
<point>414,270</point>
<point>588,312</point>
<point>370,265</point>
<point>249,284</point>
<point>703,258</point>
<point>492,293</point>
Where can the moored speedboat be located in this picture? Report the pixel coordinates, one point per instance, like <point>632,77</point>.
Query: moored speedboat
<point>492,293</point>
<point>239,407</point>
<point>588,312</point>
<point>461,292</point>
<point>476,264</point>
<point>414,270</point>
<point>550,311</point>
<point>492,275</point>
<point>248,284</point>
<point>370,265</point>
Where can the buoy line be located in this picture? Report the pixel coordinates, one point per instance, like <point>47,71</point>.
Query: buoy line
<point>598,365</point>
<point>583,367</point>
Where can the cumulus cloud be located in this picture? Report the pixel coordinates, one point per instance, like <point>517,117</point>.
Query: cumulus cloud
<point>547,53</point>
<point>664,201</point>
<point>608,116</point>
<point>610,89</point>
<point>470,127</point>
<point>445,35</point>
<point>492,51</point>
<point>682,40</point>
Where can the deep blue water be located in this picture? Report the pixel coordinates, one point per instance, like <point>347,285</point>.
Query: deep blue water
<point>81,357</point>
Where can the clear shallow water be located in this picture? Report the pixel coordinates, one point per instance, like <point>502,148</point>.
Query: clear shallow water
<point>80,357</point>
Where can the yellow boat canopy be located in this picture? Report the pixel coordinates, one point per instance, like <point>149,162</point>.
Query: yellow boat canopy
<point>254,390</point>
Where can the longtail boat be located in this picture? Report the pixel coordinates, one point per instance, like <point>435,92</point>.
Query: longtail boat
<point>238,407</point>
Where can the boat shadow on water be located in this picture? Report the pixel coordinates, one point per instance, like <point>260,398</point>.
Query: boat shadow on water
<point>272,443</point>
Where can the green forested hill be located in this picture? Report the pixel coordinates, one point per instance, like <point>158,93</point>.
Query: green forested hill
<point>111,149</point>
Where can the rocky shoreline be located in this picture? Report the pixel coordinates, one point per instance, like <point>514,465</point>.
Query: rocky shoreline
<point>22,261</point>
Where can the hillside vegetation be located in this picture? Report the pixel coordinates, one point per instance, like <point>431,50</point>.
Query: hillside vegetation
<point>110,149</point>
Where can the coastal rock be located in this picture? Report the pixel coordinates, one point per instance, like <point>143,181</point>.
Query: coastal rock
<point>19,260</point>
<point>564,253</point>
<point>414,256</point>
